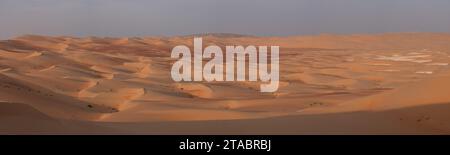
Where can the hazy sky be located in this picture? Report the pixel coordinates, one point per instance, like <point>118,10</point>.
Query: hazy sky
<point>257,17</point>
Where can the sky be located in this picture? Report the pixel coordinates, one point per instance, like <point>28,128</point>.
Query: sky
<point>119,18</point>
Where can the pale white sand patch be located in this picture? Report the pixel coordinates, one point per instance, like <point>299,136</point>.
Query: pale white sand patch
<point>349,59</point>
<point>414,53</point>
<point>379,64</point>
<point>422,61</point>
<point>438,64</point>
<point>424,72</point>
<point>388,70</point>
<point>410,58</point>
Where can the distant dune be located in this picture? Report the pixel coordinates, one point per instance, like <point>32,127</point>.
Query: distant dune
<point>395,83</point>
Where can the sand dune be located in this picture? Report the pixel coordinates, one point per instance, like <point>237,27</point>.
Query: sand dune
<point>330,84</point>
<point>194,89</point>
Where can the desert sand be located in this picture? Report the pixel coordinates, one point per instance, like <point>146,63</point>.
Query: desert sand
<point>396,83</point>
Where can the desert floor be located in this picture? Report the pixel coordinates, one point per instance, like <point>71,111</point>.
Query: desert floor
<point>396,83</point>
